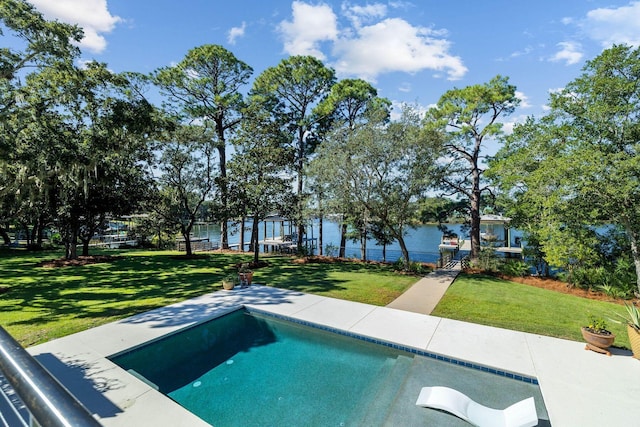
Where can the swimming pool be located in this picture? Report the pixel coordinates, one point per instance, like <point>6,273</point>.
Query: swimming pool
<point>251,369</point>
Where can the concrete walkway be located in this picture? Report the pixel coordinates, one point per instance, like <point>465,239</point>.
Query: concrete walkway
<point>424,295</point>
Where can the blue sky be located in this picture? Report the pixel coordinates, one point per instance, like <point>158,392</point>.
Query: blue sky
<point>412,51</point>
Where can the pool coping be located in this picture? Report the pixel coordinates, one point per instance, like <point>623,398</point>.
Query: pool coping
<point>579,387</point>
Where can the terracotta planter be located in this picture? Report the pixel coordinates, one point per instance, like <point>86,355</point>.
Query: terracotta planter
<point>245,278</point>
<point>634,339</point>
<point>598,342</point>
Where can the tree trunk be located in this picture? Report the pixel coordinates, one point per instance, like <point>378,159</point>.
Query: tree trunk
<point>635,252</point>
<point>300,167</point>
<point>404,250</point>
<point>343,239</point>
<point>71,244</point>
<point>34,234</point>
<point>40,235</point>
<point>186,233</point>
<point>254,239</point>
<point>5,236</point>
<point>241,248</point>
<point>475,215</point>
<point>224,199</point>
<point>85,246</point>
<point>25,228</point>
<point>224,226</point>
<point>363,243</point>
<point>320,221</point>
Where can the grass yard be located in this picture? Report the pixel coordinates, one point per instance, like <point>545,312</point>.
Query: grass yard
<point>495,302</point>
<point>38,304</point>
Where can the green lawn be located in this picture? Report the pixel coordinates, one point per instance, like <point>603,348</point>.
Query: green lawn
<point>495,302</point>
<point>45,303</point>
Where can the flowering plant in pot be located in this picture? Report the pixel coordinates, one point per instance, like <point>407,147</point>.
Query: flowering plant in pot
<point>597,336</point>
<point>245,275</point>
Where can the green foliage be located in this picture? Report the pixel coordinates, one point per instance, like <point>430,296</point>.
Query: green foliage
<point>615,292</point>
<point>47,42</point>
<point>488,260</point>
<point>56,239</point>
<point>514,268</point>
<point>378,169</point>
<point>459,115</point>
<point>418,268</point>
<point>576,168</point>
<point>597,324</point>
<point>441,210</point>
<point>331,250</point>
<point>293,92</point>
<point>631,316</point>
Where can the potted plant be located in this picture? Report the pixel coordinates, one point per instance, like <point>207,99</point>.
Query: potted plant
<point>632,319</point>
<point>229,282</point>
<point>598,338</point>
<point>245,274</point>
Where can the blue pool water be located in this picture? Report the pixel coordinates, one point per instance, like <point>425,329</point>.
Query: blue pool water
<point>247,369</point>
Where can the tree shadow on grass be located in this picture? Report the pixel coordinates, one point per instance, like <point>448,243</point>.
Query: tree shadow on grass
<point>137,282</point>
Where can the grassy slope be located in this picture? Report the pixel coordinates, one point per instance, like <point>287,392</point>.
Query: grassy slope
<point>495,302</point>
<point>46,303</point>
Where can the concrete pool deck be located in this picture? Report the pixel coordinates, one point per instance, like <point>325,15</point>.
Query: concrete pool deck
<point>580,388</point>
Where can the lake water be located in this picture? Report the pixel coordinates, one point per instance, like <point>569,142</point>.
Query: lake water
<point>422,241</point>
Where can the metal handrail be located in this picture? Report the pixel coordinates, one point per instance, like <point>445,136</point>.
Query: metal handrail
<point>47,400</point>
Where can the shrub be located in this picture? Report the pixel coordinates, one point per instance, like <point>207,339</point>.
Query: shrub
<point>56,239</point>
<point>331,250</point>
<point>512,267</point>
<point>488,260</point>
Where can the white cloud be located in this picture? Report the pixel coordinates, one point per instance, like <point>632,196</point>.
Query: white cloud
<point>524,99</point>
<point>358,15</point>
<point>570,53</point>
<point>370,44</point>
<point>508,125</point>
<point>91,15</point>
<point>236,32</point>
<point>526,51</point>
<point>310,26</point>
<point>405,87</point>
<point>395,45</point>
<point>614,25</point>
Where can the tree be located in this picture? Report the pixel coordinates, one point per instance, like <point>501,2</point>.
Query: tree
<point>469,116</point>
<point>386,167</point>
<point>187,163</point>
<point>45,42</point>
<point>79,146</point>
<point>206,84</point>
<point>349,103</point>
<point>585,169</point>
<point>293,89</point>
<point>41,44</point>
<point>258,184</point>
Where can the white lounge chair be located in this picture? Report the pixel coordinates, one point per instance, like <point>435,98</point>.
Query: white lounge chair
<point>521,414</point>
